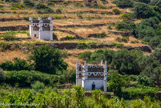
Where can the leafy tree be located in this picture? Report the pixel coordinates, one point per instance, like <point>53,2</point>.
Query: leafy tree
<point>97,56</point>
<point>48,60</point>
<point>151,66</point>
<point>149,31</point>
<point>126,62</point>
<point>115,82</point>
<point>142,10</point>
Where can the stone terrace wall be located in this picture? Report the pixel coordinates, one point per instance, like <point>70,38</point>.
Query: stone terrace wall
<point>74,46</point>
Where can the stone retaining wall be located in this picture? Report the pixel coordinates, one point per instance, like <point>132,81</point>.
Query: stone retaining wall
<point>120,33</point>
<point>14,28</point>
<point>74,46</point>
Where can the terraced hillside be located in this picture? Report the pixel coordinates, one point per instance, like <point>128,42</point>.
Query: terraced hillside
<point>74,22</point>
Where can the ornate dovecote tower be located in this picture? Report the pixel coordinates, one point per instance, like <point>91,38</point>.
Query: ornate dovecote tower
<point>41,29</point>
<point>91,77</point>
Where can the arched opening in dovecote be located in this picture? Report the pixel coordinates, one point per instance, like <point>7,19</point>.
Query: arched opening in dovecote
<point>93,86</point>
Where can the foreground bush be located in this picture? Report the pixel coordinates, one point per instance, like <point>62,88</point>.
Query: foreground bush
<point>75,98</point>
<point>26,78</point>
<point>16,64</point>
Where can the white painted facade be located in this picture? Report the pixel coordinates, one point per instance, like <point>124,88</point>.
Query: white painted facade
<point>91,77</point>
<point>41,29</point>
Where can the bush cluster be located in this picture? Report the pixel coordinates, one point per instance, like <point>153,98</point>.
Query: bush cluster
<point>124,3</point>
<point>72,98</point>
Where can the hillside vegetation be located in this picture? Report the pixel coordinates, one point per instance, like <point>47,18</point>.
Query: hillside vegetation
<point>125,33</point>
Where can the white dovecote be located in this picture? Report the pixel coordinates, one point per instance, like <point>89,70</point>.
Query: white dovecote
<point>41,28</point>
<point>91,77</point>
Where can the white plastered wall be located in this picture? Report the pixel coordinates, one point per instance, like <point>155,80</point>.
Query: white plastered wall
<point>87,84</point>
<point>45,35</point>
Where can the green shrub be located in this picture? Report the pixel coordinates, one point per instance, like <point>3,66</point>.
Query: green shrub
<point>38,87</point>
<point>58,11</point>
<point>26,78</point>
<point>124,3</point>
<point>137,92</point>
<point>118,39</point>
<point>133,77</point>
<point>136,41</point>
<point>125,39</point>
<point>41,8</point>
<point>9,36</point>
<point>119,45</point>
<point>65,3</point>
<point>85,56</point>
<point>69,38</point>
<point>82,46</point>
<point>15,6</point>
<point>58,17</point>
<point>109,27</point>
<point>115,83</point>
<point>1,6</point>
<point>128,16</point>
<point>125,26</point>
<point>17,64</point>
<point>5,46</point>
<point>28,3</point>
<point>79,4</point>
<point>116,11</point>
<point>103,34</point>
<point>144,80</point>
<point>50,4</point>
